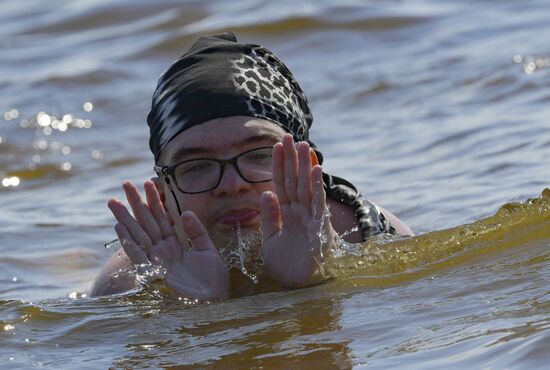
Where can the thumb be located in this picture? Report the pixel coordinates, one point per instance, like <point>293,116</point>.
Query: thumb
<point>270,213</point>
<point>196,232</point>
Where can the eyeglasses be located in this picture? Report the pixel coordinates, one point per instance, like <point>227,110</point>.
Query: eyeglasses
<point>200,175</point>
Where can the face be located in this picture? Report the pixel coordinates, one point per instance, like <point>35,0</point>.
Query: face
<point>234,203</point>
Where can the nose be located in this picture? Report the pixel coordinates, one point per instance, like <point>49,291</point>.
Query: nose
<point>231,182</point>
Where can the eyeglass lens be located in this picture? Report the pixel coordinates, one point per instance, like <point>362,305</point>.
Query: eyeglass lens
<point>204,174</point>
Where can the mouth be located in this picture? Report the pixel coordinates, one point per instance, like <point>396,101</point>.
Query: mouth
<point>243,216</point>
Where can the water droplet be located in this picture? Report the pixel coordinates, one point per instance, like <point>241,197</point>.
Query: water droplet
<point>66,166</point>
<point>11,181</point>
<point>96,154</point>
<point>530,68</point>
<point>41,144</point>
<point>88,107</point>
<point>112,243</point>
<point>11,114</point>
<point>43,119</point>
<point>66,150</point>
<point>517,58</point>
<point>67,118</point>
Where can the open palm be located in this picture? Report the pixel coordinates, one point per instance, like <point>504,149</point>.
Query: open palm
<point>194,271</point>
<point>296,226</point>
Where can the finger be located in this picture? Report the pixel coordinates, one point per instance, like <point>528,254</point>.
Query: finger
<point>157,209</point>
<point>132,250</point>
<point>135,230</point>
<point>141,212</point>
<point>304,175</point>
<point>290,168</point>
<point>278,173</point>
<point>196,232</point>
<point>318,203</point>
<point>162,196</point>
<point>270,212</point>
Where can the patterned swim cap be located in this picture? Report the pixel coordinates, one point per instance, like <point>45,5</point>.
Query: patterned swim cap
<point>219,77</point>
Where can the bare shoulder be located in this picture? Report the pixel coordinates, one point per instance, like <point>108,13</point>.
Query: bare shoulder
<point>400,227</point>
<point>344,221</point>
<point>114,277</point>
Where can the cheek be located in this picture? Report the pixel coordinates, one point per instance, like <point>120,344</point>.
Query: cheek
<point>265,186</point>
<point>197,203</point>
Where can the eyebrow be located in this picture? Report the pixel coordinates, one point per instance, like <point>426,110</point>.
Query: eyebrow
<point>185,151</point>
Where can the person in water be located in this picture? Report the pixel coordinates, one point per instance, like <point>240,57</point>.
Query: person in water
<point>239,180</point>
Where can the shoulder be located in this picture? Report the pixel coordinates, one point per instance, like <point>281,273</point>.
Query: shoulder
<point>114,277</point>
<point>369,218</point>
<point>344,222</point>
<point>400,227</point>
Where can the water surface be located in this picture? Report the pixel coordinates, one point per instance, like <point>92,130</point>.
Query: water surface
<point>438,111</point>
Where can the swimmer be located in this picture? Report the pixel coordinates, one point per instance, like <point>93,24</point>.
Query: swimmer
<point>229,131</point>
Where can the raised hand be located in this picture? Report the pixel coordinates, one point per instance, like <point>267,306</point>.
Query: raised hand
<point>296,226</point>
<point>194,271</point>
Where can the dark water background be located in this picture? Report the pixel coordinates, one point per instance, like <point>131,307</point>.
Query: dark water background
<point>439,111</point>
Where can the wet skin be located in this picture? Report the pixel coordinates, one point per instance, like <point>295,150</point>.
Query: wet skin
<point>289,210</point>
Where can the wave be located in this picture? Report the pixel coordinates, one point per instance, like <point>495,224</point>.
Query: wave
<point>383,261</point>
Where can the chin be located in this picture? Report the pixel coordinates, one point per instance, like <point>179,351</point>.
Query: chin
<point>229,236</point>
<point>252,225</point>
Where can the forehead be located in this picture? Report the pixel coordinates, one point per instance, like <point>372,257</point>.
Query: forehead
<point>222,136</point>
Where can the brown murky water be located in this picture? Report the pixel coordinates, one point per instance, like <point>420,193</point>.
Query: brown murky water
<point>437,110</point>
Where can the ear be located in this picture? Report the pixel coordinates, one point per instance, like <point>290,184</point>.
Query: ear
<point>313,156</point>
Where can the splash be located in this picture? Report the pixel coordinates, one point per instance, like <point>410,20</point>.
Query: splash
<point>145,273</point>
<point>399,259</point>
<point>321,233</point>
<point>243,252</point>
<point>112,243</point>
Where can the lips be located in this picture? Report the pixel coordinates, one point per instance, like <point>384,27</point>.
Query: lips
<point>241,216</point>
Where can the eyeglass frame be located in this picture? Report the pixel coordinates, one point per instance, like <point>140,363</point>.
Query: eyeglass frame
<point>169,171</point>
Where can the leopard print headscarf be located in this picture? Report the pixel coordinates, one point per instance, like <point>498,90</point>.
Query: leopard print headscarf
<point>219,77</point>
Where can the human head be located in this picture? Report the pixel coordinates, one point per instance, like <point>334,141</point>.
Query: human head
<point>216,90</point>
<point>220,77</point>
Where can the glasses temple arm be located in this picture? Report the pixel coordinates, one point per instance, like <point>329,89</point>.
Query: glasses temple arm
<point>169,184</point>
